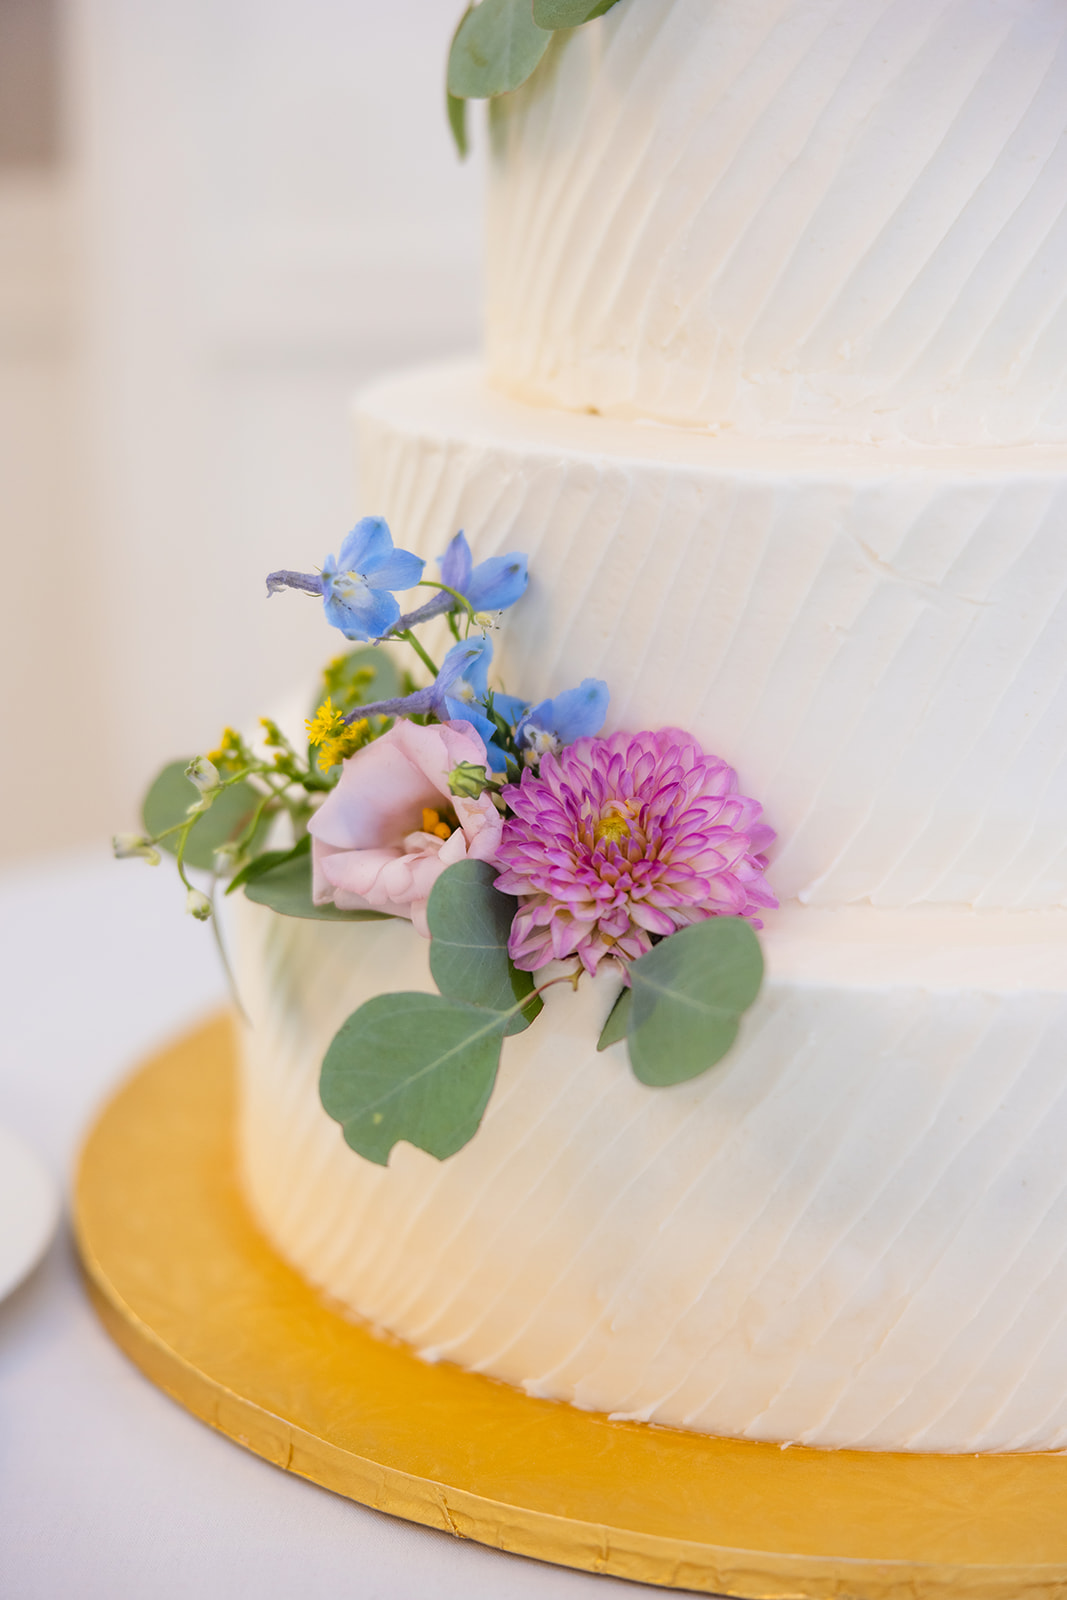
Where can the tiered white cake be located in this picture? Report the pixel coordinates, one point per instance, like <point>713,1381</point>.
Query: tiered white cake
<point>807,261</point>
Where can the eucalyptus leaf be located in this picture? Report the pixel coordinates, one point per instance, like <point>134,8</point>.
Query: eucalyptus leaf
<point>497,46</point>
<point>415,1067</point>
<point>457,121</point>
<point>470,921</point>
<point>618,1021</point>
<point>168,800</point>
<point>267,862</point>
<point>689,993</point>
<point>568,13</point>
<point>455,105</point>
<point>384,685</point>
<point>286,888</point>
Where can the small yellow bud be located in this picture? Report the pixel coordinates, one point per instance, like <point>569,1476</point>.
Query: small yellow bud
<point>325,723</point>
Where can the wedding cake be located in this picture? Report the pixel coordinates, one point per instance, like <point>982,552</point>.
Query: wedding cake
<point>776,400</point>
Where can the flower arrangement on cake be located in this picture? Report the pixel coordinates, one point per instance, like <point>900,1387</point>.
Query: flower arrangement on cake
<point>527,846</point>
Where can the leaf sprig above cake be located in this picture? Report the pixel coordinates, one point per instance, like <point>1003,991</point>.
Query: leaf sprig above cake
<point>528,847</point>
<point>498,44</point>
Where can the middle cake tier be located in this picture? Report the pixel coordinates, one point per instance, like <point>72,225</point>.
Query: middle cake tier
<point>874,636</point>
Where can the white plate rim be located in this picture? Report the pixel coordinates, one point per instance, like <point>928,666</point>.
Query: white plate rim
<point>29,1210</point>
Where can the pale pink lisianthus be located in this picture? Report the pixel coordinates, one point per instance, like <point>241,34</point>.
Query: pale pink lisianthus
<point>368,846</point>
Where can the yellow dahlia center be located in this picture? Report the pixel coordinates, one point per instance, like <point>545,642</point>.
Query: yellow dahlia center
<point>613,827</point>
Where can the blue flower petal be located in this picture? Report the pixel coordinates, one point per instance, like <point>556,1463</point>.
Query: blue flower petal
<point>498,761</point>
<point>477,674</point>
<point>511,708</point>
<point>361,612</point>
<point>568,716</point>
<point>470,660</point>
<point>461,711</point>
<point>497,583</point>
<point>455,564</point>
<point>399,570</point>
<point>369,545</point>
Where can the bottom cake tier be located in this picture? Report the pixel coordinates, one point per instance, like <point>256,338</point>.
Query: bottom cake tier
<point>851,1232</point>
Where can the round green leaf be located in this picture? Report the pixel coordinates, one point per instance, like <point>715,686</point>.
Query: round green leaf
<point>568,13</point>
<point>470,921</point>
<point>168,802</point>
<point>286,888</point>
<point>457,122</point>
<point>266,862</point>
<point>689,994</point>
<point>384,684</point>
<point>411,1066</point>
<point>496,47</point>
<point>618,1021</point>
<point>457,108</point>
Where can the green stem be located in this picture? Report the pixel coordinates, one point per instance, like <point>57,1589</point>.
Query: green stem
<point>426,660</point>
<point>534,994</point>
<point>179,855</point>
<point>220,946</point>
<point>461,599</point>
<point>254,821</point>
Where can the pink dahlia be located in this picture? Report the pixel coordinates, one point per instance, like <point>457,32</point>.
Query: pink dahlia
<point>622,838</point>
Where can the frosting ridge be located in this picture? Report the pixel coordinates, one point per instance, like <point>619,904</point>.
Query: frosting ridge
<point>830,219</point>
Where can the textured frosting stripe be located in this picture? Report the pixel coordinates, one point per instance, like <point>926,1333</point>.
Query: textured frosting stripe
<point>876,640</point>
<point>846,217</point>
<point>896,1277</point>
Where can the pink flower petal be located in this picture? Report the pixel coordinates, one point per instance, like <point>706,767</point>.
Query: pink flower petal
<point>694,849</point>
<point>368,845</point>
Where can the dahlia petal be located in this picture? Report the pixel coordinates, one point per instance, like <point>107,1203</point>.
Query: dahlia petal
<point>692,850</point>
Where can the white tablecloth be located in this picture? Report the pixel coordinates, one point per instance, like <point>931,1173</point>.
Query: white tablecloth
<point>107,1488</point>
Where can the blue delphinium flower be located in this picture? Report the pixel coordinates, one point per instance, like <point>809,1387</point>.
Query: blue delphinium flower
<point>492,585</point>
<point>461,693</point>
<point>574,714</point>
<point>461,685</point>
<point>356,586</point>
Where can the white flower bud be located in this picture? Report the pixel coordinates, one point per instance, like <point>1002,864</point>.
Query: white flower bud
<point>203,773</point>
<point>198,905</point>
<point>127,846</point>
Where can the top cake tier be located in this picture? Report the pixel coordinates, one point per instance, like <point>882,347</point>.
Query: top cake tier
<point>833,217</point>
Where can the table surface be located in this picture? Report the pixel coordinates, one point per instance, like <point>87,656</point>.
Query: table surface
<point>107,1488</point>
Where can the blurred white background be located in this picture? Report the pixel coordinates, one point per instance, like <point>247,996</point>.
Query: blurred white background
<point>218,218</point>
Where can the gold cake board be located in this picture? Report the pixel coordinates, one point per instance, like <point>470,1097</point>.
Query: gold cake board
<point>197,1298</point>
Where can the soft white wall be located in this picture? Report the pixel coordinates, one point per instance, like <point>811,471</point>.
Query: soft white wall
<point>269,211</point>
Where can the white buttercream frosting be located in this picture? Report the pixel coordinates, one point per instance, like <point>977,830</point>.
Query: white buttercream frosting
<point>850,1232</point>
<point>826,237</point>
<point>842,217</point>
<point>875,637</point>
